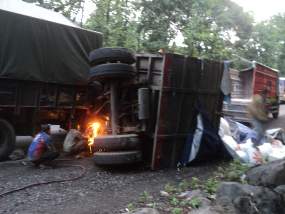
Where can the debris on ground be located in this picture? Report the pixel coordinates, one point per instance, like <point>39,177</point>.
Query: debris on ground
<point>17,154</point>
<point>239,141</point>
<point>144,211</point>
<point>164,194</point>
<point>74,142</point>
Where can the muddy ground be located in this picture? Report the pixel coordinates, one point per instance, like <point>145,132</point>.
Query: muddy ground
<point>99,191</point>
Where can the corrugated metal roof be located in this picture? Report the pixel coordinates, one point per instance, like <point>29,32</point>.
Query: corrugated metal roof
<point>28,9</point>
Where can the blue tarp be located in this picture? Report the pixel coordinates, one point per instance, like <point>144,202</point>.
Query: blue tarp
<point>203,143</point>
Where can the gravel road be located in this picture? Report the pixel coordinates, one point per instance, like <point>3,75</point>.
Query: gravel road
<point>99,191</point>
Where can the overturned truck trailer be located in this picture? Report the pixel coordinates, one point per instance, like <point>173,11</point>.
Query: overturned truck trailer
<point>44,71</point>
<point>151,107</point>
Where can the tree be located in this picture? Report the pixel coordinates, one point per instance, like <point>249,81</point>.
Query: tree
<point>210,26</point>
<point>156,23</point>
<point>115,19</point>
<point>207,26</point>
<point>267,43</point>
<point>69,8</point>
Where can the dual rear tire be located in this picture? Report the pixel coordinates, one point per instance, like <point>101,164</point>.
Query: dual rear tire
<point>117,150</point>
<point>105,72</point>
<point>111,63</point>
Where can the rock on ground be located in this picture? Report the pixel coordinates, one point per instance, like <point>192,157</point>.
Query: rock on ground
<point>145,211</point>
<point>198,194</point>
<point>281,191</point>
<point>164,194</point>
<point>209,210</point>
<point>269,175</point>
<point>17,154</point>
<point>247,199</point>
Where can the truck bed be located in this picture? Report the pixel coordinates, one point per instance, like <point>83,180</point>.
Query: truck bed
<point>237,110</point>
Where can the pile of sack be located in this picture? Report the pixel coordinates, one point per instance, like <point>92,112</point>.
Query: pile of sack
<point>239,141</point>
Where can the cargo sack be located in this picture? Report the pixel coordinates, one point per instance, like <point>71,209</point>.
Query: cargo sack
<point>74,142</point>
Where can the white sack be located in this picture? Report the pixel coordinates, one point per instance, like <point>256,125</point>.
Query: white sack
<point>73,141</point>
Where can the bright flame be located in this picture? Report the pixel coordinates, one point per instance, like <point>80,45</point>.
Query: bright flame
<point>92,132</point>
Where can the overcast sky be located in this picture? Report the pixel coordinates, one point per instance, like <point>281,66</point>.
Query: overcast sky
<point>262,9</point>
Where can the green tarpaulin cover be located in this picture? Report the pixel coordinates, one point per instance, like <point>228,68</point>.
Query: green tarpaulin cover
<point>42,49</point>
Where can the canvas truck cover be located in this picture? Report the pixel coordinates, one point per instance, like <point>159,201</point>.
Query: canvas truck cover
<point>43,46</point>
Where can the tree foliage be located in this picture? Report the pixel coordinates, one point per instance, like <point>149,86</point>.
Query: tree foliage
<point>114,18</point>
<point>211,25</point>
<point>267,43</point>
<point>215,29</point>
<point>69,8</point>
<point>149,25</point>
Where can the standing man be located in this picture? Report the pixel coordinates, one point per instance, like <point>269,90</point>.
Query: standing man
<point>41,150</point>
<point>258,111</point>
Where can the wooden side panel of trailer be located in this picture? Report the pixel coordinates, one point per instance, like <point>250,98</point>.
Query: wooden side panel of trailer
<point>185,80</point>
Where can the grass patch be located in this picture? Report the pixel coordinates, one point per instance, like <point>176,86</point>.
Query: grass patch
<point>170,188</point>
<point>195,203</point>
<point>131,207</point>
<point>176,210</point>
<point>145,197</point>
<point>233,172</point>
<point>211,186</point>
<point>228,172</point>
<point>174,201</point>
<point>184,185</point>
<point>195,183</point>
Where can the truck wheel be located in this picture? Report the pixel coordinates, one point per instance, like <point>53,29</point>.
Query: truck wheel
<point>105,55</point>
<point>116,143</point>
<point>112,71</point>
<point>7,139</point>
<point>117,158</point>
<point>275,115</point>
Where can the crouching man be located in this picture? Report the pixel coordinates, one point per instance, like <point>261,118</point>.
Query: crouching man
<point>41,151</point>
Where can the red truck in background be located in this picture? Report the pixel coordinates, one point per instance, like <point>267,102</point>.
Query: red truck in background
<point>266,77</point>
<point>249,82</point>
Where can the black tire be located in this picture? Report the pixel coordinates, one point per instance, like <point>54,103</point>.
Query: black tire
<point>7,139</point>
<point>117,158</point>
<point>275,115</point>
<point>117,143</point>
<point>105,55</point>
<point>112,71</point>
